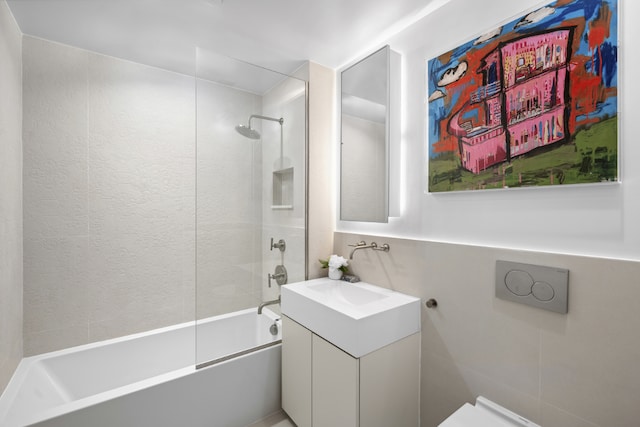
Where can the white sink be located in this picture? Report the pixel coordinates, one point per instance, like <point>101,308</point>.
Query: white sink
<point>349,295</point>
<point>357,317</point>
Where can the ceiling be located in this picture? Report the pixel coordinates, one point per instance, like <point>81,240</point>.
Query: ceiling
<point>277,34</point>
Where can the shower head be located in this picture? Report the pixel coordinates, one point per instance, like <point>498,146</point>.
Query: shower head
<point>249,132</point>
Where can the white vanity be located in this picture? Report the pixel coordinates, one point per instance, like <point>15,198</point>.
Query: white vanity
<point>350,355</point>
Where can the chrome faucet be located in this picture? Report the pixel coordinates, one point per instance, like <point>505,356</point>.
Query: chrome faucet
<point>363,245</point>
<point>266,303</point>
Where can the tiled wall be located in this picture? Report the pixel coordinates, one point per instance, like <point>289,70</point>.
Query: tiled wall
<point>288,101</point>
<point>10,195</point>
<point>573,370</point>
<point>110,189</point>
<point>109,151</point>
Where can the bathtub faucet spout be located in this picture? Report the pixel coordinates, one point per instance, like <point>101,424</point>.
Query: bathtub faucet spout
<point>266,303</point>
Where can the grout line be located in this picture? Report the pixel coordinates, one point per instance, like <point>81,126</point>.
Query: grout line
<point>540,335</point>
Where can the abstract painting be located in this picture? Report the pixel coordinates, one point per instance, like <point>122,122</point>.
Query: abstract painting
<point>531,103</point>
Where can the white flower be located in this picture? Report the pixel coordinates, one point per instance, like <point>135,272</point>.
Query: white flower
<point>336,261</point>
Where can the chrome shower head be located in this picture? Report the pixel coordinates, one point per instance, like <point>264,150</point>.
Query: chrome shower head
<point>248,132</point>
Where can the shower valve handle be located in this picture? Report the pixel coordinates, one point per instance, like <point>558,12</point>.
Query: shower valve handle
<point>281,244</point>
<point>280,276</point>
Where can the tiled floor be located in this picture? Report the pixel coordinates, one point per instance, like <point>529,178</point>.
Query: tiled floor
<point>278,419</point>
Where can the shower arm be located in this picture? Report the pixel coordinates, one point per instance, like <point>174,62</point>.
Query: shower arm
<point>281,121</point>
<point>258,116</point>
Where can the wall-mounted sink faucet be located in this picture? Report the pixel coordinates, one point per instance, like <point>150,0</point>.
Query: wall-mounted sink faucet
<point>363,245</point>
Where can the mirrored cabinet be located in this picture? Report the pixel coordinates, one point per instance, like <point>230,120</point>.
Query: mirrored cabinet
<point>369,138</point>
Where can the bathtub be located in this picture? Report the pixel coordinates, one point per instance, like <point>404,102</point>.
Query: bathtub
<point>150,379</point>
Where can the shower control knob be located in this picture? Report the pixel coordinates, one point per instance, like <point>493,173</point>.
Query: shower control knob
<point>280,244</point>
<point>280,276</point>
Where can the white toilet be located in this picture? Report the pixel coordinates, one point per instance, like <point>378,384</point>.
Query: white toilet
<point>485,413</point>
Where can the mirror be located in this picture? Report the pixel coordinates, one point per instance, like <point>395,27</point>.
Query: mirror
<point>365,137</point>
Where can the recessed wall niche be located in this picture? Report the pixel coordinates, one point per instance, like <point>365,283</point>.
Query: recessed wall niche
<point>282,189</point>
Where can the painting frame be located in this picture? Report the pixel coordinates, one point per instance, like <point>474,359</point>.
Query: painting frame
<point>533,103</point>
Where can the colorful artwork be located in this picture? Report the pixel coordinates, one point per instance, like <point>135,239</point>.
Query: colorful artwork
<point>531,103</point>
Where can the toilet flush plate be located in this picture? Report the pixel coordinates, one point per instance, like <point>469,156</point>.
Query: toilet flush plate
<point>534,285</point>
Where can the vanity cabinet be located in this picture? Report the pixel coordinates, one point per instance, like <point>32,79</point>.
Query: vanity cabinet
<point>334,385</point>
<point>323,386</point>
<point>296,379</point>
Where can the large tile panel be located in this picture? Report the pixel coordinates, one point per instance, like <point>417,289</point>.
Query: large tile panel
<point>590,367</point>
<point>55,140</point>
<point>55,294</point>
<point>11,193</point>
<point>109,196</point>
<point>141,160</point>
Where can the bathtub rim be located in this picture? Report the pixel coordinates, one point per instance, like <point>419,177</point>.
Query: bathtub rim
<point>20,374</point>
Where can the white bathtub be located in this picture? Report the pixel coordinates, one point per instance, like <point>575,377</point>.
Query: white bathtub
<point>149,379</point>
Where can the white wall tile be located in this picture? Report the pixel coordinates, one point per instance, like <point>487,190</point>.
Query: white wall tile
<point>109,196</point>
<point>55,132</point>
<point>133,321</point>
<point>447,385</point>
<point>55,194</point>
<point>11,312</point>
<point>288,101</point>
<point>55,275</point>
<point>141,149</point>
<point>552,416</point>
<point>588,367</point>
<point>11,223</point>
<point>110,170</point>
<point>134,273</point>
<point>55,339</point>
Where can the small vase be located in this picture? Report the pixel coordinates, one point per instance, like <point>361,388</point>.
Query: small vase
<point>335,274</point>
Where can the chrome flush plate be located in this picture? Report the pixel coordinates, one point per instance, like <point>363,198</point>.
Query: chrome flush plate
<point>534,285</point>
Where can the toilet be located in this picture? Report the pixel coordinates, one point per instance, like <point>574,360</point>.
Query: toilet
<point>485,413</point>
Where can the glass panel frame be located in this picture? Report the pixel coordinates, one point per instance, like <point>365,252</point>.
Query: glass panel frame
<point>249,190</point>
